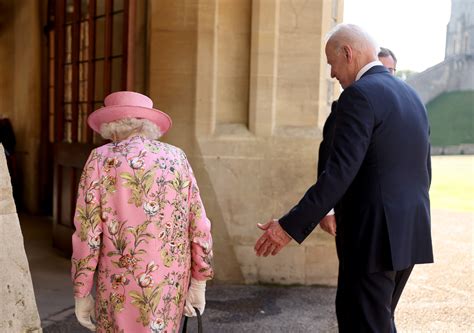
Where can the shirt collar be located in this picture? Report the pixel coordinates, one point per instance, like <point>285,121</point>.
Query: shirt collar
<point>364,69</point>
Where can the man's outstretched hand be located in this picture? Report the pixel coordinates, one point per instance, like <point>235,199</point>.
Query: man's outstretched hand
<point>273,239</point>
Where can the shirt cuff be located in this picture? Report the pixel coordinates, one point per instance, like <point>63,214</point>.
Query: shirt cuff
<point>331,212</point>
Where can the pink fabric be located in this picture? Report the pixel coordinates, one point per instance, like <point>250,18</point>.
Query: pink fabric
<point>141,224</point>
<point>128,104</point>
<point>128,98</point>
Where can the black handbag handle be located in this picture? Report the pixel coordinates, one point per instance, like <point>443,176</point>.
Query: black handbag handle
<point>199,319</point>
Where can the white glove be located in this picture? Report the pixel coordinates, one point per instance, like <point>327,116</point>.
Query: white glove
<point>196,298</point>
<point>85,311</point>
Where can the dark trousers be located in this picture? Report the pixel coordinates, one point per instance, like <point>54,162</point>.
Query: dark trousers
<point>366,302</point>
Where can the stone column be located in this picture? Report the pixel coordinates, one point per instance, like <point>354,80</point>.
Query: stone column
<point>245,83</point>
<point>18,312</point>
<point>264,66</point>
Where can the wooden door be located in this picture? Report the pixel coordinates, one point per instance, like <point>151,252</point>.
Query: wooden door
<point>89,58</point>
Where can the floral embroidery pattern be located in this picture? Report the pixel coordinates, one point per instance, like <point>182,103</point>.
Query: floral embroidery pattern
<point>141,223</point>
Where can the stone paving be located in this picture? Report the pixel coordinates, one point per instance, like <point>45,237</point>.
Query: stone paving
<point>438,297</point>
<point>236,308</point>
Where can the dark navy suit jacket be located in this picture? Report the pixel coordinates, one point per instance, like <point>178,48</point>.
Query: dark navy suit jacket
<point>328,136</point>
<point>378,172</point>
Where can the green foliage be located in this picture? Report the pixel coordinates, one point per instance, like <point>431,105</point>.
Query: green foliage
<point>89,217</point>
<point>178,182</point>
<point>451,118</point>
<point>167,258</point>
<point>147,302</point>
<point>140,183</point>
<point>139,234</point>
<point>405,73</point>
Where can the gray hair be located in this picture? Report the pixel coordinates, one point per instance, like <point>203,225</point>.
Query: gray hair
<point>354,36</point>
<point>123,128</point>
<point>384,53</point>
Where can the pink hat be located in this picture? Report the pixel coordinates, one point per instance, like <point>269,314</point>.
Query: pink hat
<point>128,104</point>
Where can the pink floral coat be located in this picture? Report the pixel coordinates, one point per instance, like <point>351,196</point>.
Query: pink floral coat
<point>141,224</point>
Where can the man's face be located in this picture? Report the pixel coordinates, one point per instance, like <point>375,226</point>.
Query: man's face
<point>389,63</point>
<point>341,68</point>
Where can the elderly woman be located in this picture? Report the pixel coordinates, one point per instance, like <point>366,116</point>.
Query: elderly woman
<point>140,223</point>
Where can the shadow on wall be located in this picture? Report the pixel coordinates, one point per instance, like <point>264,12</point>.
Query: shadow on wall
<point>8,140</point>
<point>226,265</point>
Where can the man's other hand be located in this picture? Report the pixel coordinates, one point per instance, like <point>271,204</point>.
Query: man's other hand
<point>328,224</point>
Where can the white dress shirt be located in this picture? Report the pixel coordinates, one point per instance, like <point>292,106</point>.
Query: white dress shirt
<point>367,67</point>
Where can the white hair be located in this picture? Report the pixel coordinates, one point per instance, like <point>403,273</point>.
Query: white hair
<point>355,36</point>
<point>123,128</point>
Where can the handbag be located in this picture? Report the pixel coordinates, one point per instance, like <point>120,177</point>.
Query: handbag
<point>199,320</point>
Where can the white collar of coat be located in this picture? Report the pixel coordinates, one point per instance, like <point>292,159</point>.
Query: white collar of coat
<point>367,67</point>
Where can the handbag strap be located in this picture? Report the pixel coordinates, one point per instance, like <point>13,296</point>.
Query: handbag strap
<point>199,319</point>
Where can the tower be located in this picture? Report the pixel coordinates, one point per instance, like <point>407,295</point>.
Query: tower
<point>460,30</point>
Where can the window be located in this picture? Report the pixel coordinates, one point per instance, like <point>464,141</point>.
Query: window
<point>88,48</point>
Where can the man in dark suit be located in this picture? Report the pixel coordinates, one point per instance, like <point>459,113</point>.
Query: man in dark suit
<point>378,172</point>
<point>328,223</point>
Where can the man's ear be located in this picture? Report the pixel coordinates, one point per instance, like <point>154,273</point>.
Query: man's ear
<point>347,53</point>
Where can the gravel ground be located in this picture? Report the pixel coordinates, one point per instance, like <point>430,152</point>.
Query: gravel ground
<point>238,308</point>
<point>438,297</point>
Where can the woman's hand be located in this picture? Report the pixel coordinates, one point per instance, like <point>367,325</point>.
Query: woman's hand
<point>85,311</point>
<point>196,298</point>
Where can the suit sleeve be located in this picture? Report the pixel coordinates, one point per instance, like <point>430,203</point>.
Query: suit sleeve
<point>428,162</point>
<point>87,238</point>
<point>200,234</point>
<point>353,131</point>
<point>326,143</point>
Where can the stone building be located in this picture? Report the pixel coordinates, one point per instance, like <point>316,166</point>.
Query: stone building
<point>456,72</point>
<point>18,312</point>
<point>245,81</point>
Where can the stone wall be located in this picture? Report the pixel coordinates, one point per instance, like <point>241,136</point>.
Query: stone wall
<point>463,149</point>
<point>246,85</point>
<point>20,89</point>
<point>18,312</point>
<point>460,30</point>
<point>453,74</point>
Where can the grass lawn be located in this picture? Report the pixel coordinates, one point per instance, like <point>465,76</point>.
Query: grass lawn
<point>451,118</point>
<point>452,187</point>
